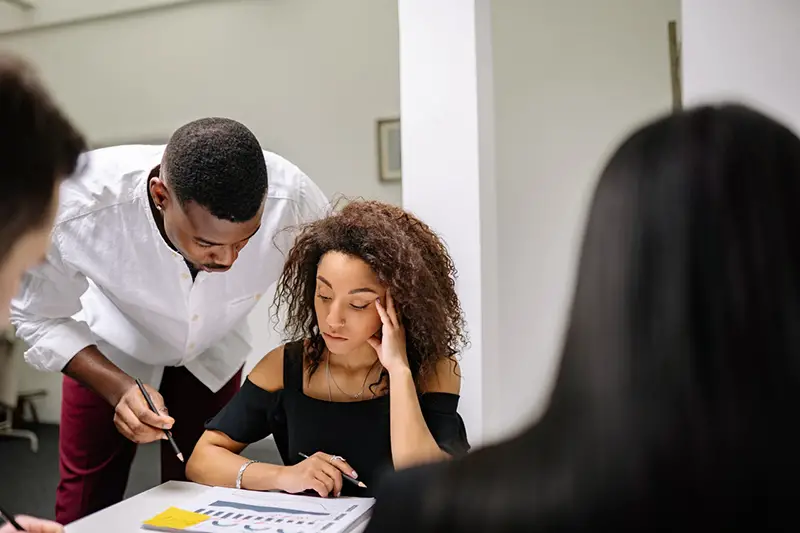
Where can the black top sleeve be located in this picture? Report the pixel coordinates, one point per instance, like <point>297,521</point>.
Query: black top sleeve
<point>249,415</point>
<point>444,422</point>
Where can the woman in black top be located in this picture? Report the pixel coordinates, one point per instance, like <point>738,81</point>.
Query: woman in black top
<point>360,387</point>
<point>675,404</point>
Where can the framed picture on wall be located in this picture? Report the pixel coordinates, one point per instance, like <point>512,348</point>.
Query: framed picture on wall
<point>389,154</point>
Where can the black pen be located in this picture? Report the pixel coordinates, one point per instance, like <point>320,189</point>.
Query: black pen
<point>352,480</point>
<point>167,432</point>
<point>10,519</point>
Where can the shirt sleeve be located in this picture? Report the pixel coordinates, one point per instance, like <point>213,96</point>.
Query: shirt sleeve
<point>42,312</point>
<point>248,417</point>
<point>440,411</point>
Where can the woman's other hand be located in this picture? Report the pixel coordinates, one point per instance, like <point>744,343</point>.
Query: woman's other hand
<point>391,348</point>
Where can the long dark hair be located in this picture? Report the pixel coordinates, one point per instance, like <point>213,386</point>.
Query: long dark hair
<point>675,404</point>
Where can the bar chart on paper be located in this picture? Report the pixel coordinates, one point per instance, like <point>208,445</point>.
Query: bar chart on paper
<point>240,511</point>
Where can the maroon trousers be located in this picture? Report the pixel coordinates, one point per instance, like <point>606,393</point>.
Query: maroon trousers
<point>95,460</point>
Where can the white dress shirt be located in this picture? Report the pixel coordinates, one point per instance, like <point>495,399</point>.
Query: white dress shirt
<point>110,279</point>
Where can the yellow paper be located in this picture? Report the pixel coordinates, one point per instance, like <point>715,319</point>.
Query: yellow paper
<point>174,518</point>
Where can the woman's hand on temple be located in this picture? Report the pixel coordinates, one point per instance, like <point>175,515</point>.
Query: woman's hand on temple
<point>391,349</point>
<point>320,472</point>
<point>33,525</point>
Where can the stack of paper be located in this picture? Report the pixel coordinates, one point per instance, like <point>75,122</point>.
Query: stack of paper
<point>220,510</point>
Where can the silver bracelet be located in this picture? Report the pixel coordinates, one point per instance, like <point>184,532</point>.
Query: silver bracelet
<point>241,473</point>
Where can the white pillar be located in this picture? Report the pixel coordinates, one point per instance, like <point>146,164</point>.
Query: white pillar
<point>744,50</point>
<point>448,168</point>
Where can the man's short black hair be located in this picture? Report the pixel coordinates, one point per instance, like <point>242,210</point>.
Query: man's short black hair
<point>38,147</point>
<point>218,164</point>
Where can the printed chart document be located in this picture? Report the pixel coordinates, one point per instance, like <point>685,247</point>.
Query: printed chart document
<point>220,510</point>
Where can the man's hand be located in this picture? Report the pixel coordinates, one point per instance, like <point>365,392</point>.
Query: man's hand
<point>33,525</point>
<point>136,421</point>
<point>132,415</point>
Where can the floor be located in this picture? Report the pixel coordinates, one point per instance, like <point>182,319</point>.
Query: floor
<point>28,480</point>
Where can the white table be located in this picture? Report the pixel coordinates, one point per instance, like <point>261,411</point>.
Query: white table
<point>128,515</point>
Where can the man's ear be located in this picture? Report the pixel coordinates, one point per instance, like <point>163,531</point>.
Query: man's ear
<point>160,193</point>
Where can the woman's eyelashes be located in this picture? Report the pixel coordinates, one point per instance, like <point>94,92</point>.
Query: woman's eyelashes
<point>354,305</point>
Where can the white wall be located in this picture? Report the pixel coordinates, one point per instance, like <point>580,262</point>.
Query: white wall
<point>309,77</point>
<point>46,13</point>
<point>571,77</point>
<point>448,168</point>
<point>743,50</point>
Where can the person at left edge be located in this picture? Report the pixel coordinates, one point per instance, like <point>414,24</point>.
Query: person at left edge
<point>158,255</point>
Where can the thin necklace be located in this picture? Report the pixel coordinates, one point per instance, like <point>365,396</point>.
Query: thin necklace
<point>330,379</point>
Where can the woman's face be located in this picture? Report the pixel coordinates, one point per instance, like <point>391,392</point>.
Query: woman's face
<point>345,302</point>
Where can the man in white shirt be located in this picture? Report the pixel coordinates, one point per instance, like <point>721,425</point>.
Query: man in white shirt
<point>158,255</point>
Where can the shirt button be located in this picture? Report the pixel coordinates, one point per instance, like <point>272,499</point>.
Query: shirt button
<point>195,317</point>
<point>258,296</point>
<point>185,275</point>
<point>191,346</point>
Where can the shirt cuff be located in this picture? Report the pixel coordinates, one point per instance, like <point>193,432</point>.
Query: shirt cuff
<point>57,347</point>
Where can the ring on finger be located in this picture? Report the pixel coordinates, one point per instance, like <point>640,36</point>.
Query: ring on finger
<point>335,458</point>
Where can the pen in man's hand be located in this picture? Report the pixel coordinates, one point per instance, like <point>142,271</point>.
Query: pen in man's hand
<point>167,432</point>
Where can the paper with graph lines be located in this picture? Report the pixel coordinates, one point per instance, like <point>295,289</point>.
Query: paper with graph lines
<point>242,511</point>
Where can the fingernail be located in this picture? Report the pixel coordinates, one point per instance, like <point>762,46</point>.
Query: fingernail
<point>353,473</point>
<point>166,426</point>
<point>338,494</point>
<point>164,437</point>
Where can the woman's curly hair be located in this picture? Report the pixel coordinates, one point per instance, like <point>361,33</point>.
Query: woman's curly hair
<point>408,258</point>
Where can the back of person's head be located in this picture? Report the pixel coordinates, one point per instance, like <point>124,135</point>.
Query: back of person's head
<point>674,404</point>
<point>218,164</point>
<point>38,148</point>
